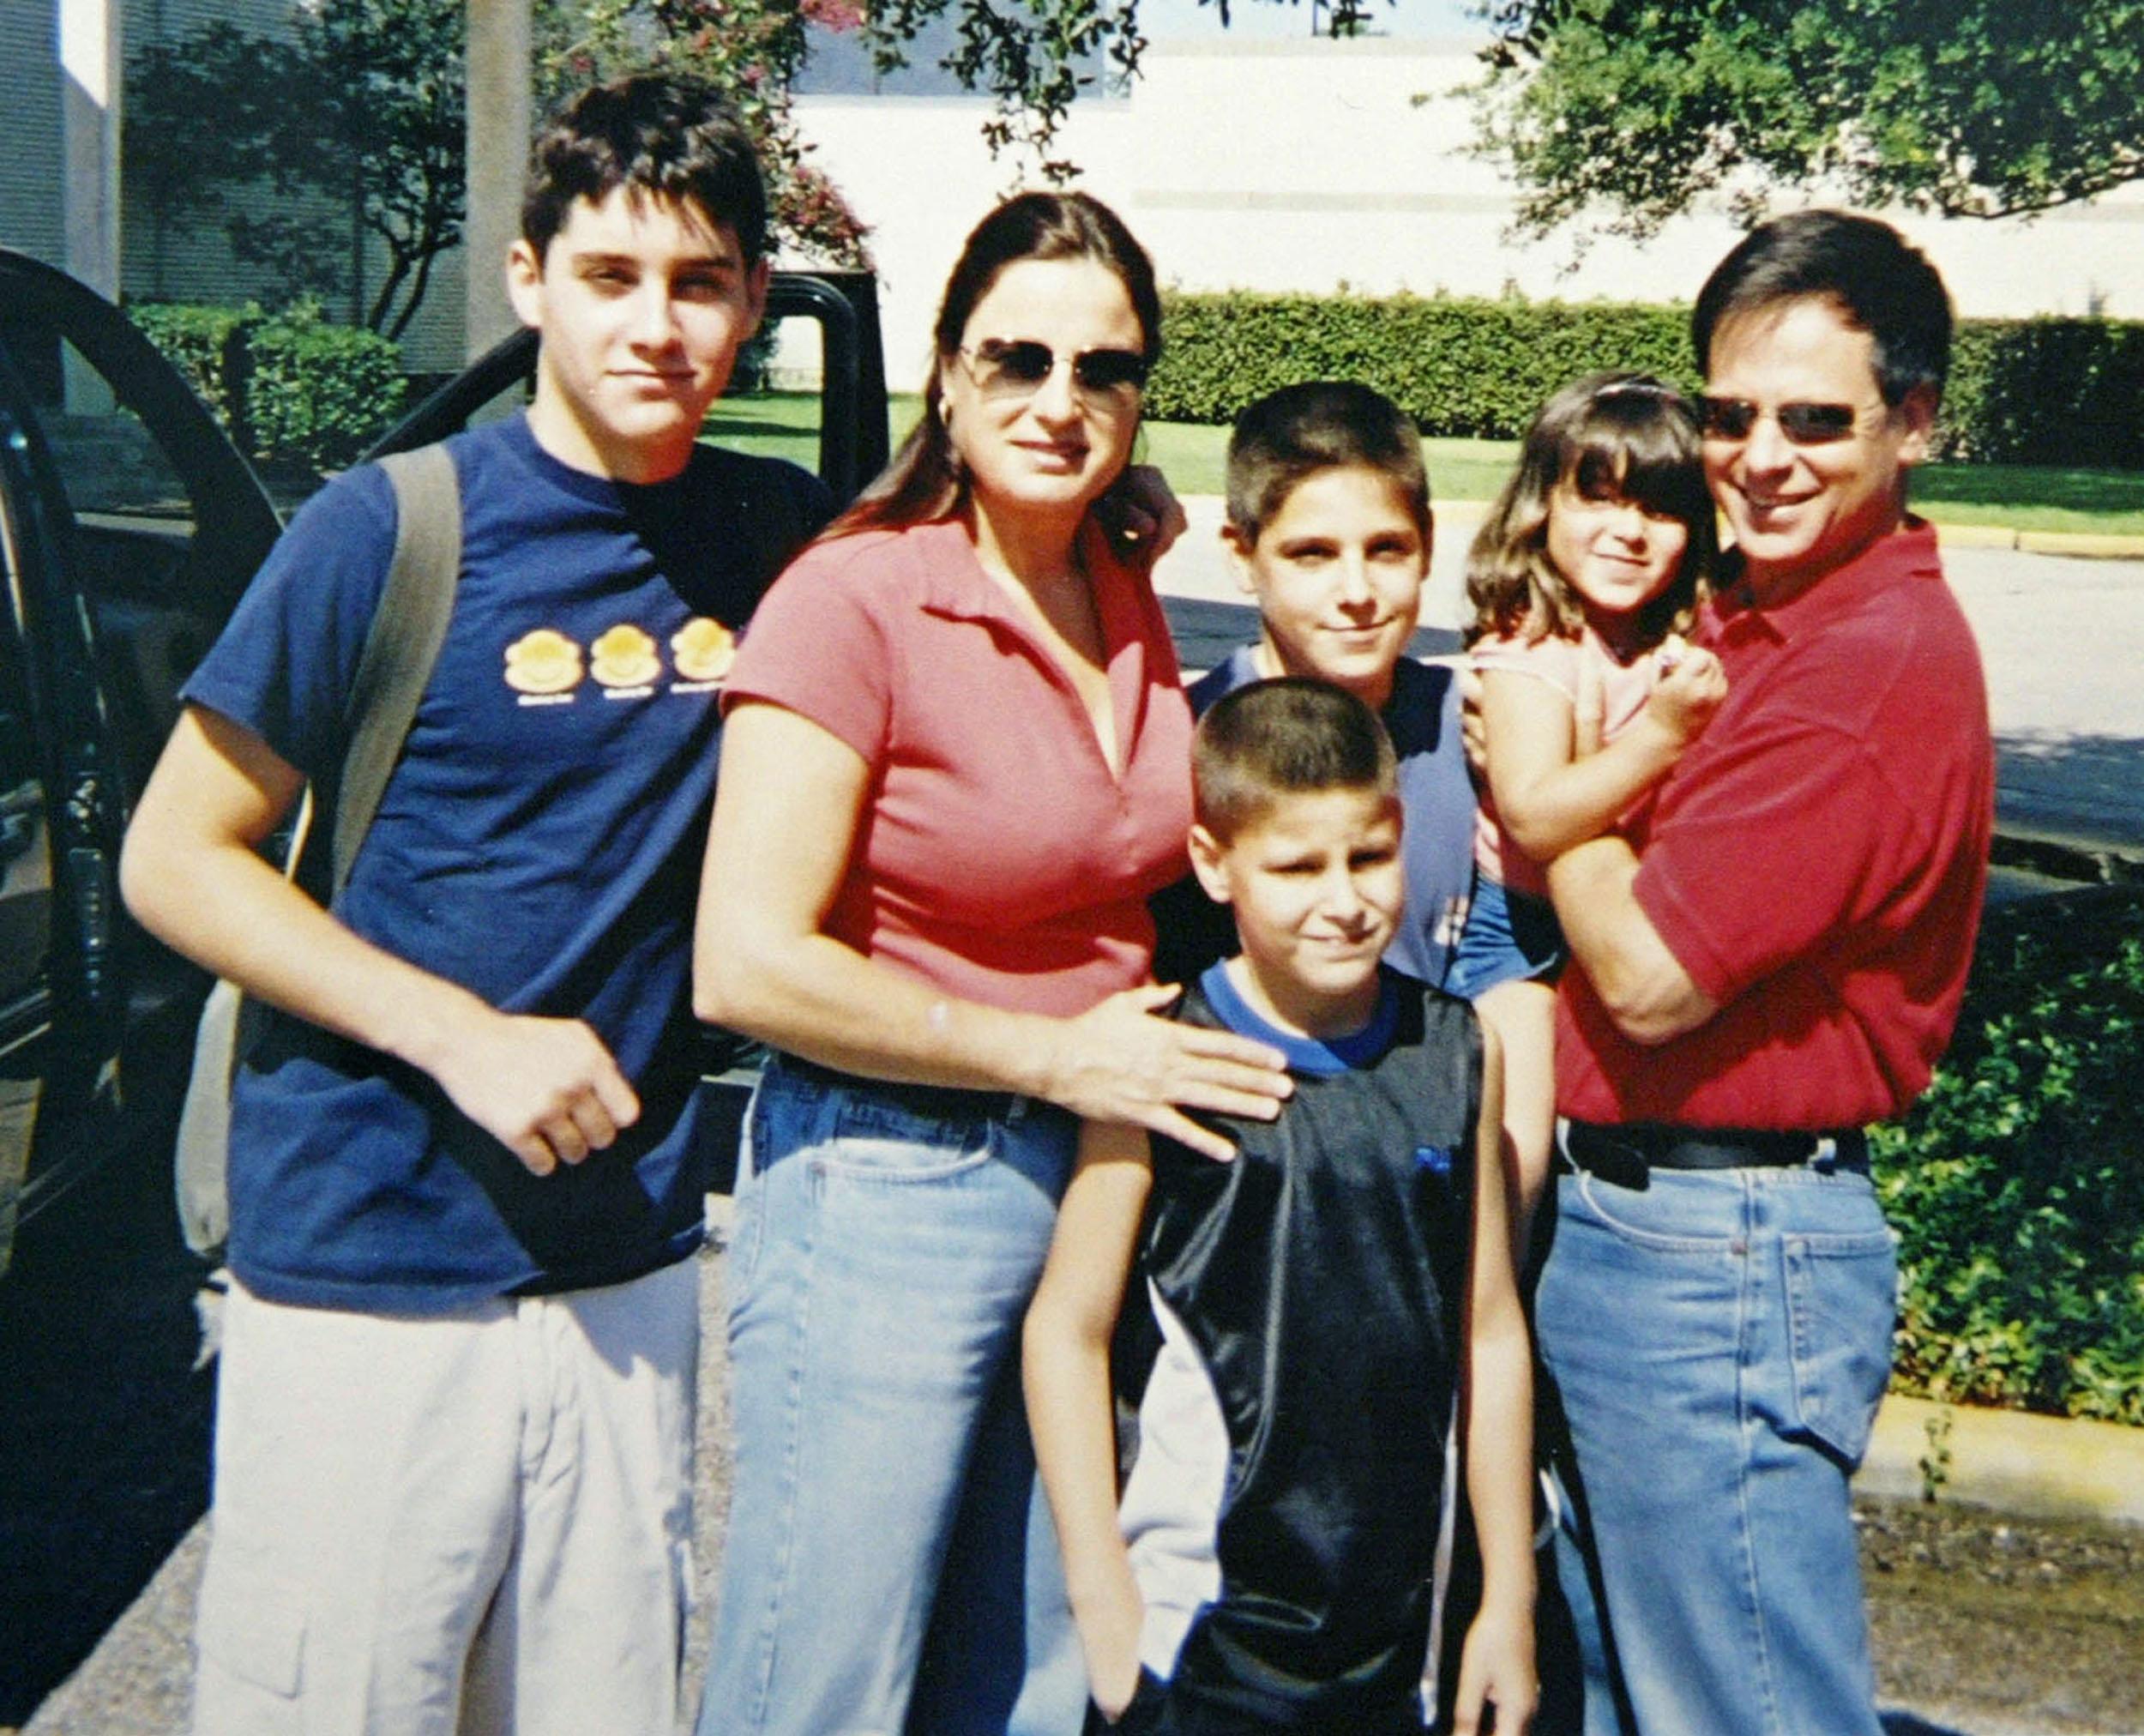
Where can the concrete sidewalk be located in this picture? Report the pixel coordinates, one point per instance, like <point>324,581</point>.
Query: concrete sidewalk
<point>2061,637</point>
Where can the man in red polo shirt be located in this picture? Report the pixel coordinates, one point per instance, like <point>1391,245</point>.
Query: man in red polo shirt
<point>1772,957</point>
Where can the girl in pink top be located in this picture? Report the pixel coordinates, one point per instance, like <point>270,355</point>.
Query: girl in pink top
<point>1582,577</point>
<point>956,762</point>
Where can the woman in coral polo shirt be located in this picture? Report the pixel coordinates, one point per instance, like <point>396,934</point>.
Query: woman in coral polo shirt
<point>957,763</point>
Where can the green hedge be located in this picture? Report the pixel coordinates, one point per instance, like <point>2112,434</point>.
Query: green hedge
<point>207,345</point>
<point>320,393</point>
<point>2016,1183</point>
<point>1459,367</point>
<point>2045,391</point>
<point>292,388</point>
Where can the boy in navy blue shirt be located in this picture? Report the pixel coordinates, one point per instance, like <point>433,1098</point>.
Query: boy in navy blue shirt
<point>1322,1298</point>
<point>454,1448</point>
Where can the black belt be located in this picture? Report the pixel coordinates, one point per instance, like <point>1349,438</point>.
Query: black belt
<point>1626,1154</point>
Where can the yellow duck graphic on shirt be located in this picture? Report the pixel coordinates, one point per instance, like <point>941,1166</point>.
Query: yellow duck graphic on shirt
<point>624,656</point>
<point>703,649</point>
<point>543,661</point>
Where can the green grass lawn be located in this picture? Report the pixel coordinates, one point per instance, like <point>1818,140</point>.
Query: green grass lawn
<point>2023,496</point>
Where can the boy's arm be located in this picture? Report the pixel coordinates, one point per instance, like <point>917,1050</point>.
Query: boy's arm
<point>1554,788</point>
<point>1496,1666</point>
<point>1070,1404</point>
<point>192,874</point>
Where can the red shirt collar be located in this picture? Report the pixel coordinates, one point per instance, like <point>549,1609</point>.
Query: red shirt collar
<point>954,583</point>
<point>1907,554</point>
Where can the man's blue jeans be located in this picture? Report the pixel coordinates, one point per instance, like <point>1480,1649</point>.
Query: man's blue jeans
<point>1719,1340</point>
<point>889,1559</point>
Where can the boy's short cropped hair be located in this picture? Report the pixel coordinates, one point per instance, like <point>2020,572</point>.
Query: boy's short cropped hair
<point>658,135</point>
<point>1885,286</point>
<point>1288,736</point>
<point>1321,424</point>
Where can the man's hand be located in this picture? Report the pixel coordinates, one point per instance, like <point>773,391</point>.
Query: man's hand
<point>547,1089</point>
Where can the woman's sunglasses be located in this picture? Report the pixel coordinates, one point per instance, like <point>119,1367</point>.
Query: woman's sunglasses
<point>1010,367</point>
<point>1803,425</point>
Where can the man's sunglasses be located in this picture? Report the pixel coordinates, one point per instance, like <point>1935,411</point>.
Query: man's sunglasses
<point>1803,425</point>
<point>1005,367</point>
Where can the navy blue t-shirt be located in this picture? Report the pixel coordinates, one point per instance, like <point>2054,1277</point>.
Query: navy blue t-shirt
<point>538,843</point>
<point>1437,842</point>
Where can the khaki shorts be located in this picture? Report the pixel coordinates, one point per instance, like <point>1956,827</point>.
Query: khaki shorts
<point>477,1522</point>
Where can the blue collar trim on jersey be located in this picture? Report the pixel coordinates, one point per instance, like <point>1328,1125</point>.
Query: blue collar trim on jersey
<point>1313,1054</point>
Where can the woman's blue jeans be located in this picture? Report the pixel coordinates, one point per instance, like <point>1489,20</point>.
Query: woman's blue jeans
<point>888,1562</point>
<point>1719,1341</point>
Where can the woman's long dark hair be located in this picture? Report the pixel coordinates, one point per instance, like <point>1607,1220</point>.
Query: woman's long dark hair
<point>924,480</point>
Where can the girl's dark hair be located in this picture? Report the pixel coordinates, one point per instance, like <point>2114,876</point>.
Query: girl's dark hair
<point>654,133</point>
<point>1619,436</point>
<point>924,480</point>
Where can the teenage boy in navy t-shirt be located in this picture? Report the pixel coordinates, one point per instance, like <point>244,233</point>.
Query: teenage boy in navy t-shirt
<point>453,1473</point>
<point>1321,1298</point>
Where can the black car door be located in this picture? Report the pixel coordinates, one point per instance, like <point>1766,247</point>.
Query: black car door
<point>128,527</point>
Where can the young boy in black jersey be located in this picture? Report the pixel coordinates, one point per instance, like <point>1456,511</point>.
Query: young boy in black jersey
<point>1322,1299</point>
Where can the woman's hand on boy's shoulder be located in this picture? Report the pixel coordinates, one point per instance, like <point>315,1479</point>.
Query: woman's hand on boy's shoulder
<point>1119,1060</point>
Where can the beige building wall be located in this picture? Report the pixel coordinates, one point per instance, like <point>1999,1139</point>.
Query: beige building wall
<point>34,167</point>
<point>1314,164</point>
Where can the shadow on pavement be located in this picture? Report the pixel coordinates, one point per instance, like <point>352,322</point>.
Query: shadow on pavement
<point>1906,1724</point>
<point>2092,785</point>
<point>104,1419</point>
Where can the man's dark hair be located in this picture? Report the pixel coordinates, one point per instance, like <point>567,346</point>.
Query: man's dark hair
<point>658,135</point>
<point>1292,434</point>
<point>1882,284</point>
<point>1290,736</point>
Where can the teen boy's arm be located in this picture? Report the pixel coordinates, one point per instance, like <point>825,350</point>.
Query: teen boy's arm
<point>1070,1409</point>
<point>1496,1668</point>
<point>192,874</point>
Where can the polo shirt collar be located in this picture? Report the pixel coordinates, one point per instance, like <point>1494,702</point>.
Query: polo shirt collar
<point>1907,554</point>
<point>955,585</point>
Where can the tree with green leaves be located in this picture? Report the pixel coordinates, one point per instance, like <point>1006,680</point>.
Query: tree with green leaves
<point>305,144</point>
<point>1970,108</point>
<point>749,49</point>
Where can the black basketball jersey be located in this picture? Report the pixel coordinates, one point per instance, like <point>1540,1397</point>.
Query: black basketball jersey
<point>1283,1514</point>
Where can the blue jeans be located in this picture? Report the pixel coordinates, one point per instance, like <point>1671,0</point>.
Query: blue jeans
<point>1509,936</point>
<point>889,1560</point>
<point>1719,1341</point>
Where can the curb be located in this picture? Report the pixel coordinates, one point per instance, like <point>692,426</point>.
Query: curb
<point>2091,861</point>
<point>1985,536</point>
<point>2087,545</point>
<point>2033,1466</point>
